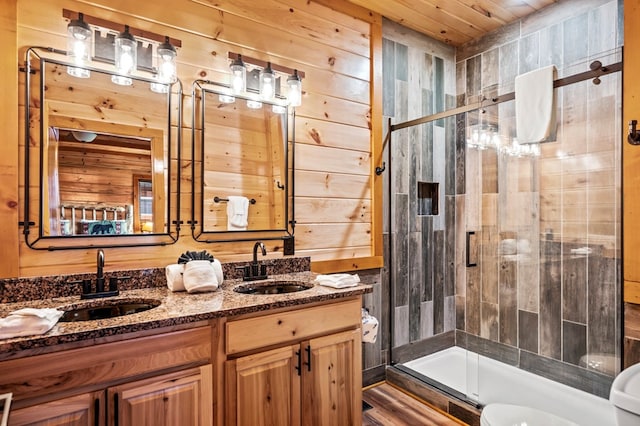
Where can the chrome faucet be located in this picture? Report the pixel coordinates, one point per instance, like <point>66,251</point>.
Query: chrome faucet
<point>100,273</point>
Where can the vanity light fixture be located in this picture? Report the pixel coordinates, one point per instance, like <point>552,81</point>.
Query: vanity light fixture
<point>81,42</point>
<point>238,75</point>
<point>294,94</point>
<point>79,46</point>
<point>267,83</point>
<point>126,57</point>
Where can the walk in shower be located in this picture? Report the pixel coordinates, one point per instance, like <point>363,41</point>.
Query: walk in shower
<point>500,250</point>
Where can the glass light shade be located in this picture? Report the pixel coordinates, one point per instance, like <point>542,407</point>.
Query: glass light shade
<point>294,83</point>
<point>157,87</point>
<point>238,75</point>
<point>126,54</point>
<point>254,104</point>
<point>226,99</point>
<point>167,62</point>
<point>278,109</point>
<point>121,80</point>
<point>267,83</point>
<point>79,37</point>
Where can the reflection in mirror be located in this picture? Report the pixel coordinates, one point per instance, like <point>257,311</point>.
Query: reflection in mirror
<point>242,183</point>
<point>101,184</point>
<point>104,156</point>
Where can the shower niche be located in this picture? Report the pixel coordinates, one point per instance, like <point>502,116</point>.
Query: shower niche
<point>427,198</point>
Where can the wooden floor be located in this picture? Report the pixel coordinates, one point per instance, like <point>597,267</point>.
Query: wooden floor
<point>392,407</point>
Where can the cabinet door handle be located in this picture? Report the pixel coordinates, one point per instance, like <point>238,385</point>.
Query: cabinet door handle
<point>96,412</point>
<point>116,411</point>
<point>308,363</point>
<point>298,366</point>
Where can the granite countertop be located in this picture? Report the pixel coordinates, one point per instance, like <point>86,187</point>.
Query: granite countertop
<point>175,309</point>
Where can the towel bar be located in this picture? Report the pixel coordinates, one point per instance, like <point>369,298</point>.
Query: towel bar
<point>217,199</point>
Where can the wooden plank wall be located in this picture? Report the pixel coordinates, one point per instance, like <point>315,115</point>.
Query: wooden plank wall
<point>9,168</point>
<point>329,40</point>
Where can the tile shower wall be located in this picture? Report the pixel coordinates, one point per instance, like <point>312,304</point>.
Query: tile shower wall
<point>421,261</point>
<point>546,292</point>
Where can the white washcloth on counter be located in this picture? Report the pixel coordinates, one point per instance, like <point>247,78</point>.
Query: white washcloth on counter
<point>174,277</point>
<point>338,280</point>
<point>369,327</point>
<point>200,276</point>
<point>237,213</point>
<point>535,105</point>
<point>28,322</point>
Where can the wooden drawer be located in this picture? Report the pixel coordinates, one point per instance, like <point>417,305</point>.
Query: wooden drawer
<point>272,329</point>
<point>94,366</point>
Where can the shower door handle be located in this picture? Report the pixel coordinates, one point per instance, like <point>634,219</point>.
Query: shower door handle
<point>634,136</point>
<point>472,258</point>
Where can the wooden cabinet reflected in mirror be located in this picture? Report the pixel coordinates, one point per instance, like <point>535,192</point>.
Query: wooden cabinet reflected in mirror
<point>99,159</point>
<point>241,165</point>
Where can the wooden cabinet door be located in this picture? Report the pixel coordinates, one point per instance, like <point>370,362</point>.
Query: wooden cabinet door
<point>184,398</point>
<point>86,409</point>
<point>332,381</point>
<point>264,389</point>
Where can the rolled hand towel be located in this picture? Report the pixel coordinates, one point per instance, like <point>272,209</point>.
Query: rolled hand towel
<point>338,280</point>
<point>174,277</point>
<point>217,268</point>
<point>28,322</point>
<point>200,276</point>
<point>369,327</point>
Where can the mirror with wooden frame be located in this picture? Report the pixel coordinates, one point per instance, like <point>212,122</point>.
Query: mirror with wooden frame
<point>241,169</point>
<point>101,158</point>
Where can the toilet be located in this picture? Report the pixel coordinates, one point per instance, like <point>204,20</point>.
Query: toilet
<point>509,415</point>
<point>625,396</point>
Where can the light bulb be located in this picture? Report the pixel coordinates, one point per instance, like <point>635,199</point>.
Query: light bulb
<point>167,62</point>
<point>79,46</point>
<point>267,83</point>
<point>238,75</point>
<point>295,89</point>
<point>126,52</point>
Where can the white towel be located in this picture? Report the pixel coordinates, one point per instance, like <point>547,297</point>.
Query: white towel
<point>200,276</point>
<point>28,322</point>
<point>369,327</point>
<point>237,213</point>
<point>217,269</point>
<point>535,105</point>
<point>174,277</point>
<point>338,280</point>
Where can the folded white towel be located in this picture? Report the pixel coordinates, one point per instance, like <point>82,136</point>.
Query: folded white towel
<point>28,322</point>
<point>535,105</point>
<point>237,213</point>
<point>338,280</point>
<point>174,277</point>
<point>200,276</point>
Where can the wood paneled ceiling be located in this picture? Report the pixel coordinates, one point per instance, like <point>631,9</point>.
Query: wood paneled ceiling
<point>454,22</point>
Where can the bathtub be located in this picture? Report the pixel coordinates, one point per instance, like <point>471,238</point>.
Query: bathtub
<point>485,381</point>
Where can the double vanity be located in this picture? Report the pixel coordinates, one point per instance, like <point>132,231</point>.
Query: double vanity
<point>236,356</point>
